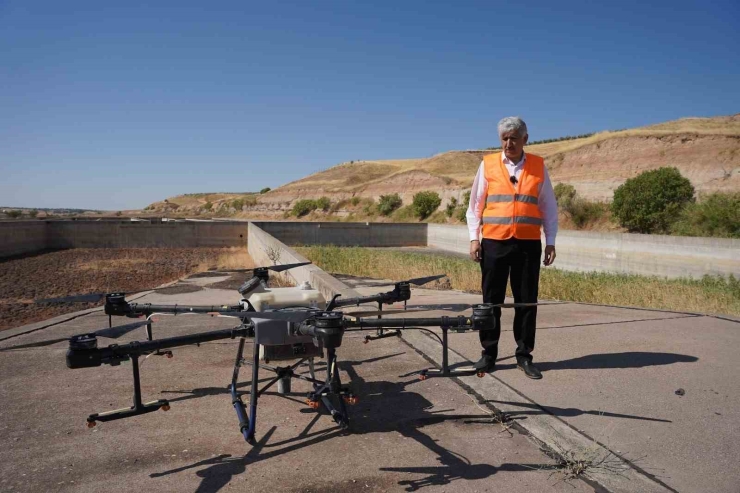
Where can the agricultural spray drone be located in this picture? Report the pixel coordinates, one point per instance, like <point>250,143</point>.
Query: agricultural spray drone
<point>284,324</point>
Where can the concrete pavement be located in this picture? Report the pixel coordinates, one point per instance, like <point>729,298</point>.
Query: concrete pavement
<point>407,435</point>
<point>613,376</point>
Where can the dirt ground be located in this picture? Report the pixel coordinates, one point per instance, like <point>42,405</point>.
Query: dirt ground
<point>80,271</point>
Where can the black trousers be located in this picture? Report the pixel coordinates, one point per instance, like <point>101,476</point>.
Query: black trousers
<point>518,260</point>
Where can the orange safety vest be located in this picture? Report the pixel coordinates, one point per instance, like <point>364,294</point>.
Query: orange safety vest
<point>512,211</point>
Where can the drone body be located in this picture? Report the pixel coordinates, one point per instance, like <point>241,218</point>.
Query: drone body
<point>283,324</point>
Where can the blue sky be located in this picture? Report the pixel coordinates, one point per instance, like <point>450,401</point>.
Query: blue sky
<point>115,105</point>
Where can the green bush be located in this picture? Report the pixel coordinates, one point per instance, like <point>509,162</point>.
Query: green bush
<point>369,207</point>
<point>237,204</point>
<point>462,209</point>
<point>323,203</point>
<point>14,214</point>
<point>265,190</point>
<point>354,201</point>
<point>33,213</point>
<point>208,206</point>
<point>389,203</point>
<point>584,211</point>
<point>652,201</point>
<point>424,203</point>
<point>717,214</point>
<point>564,193</point>
<point>303,207</point>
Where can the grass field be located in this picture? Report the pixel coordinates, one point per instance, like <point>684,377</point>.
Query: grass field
<point>712,295</point>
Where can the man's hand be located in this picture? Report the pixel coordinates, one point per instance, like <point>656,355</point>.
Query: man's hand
<point>549,254</point>
<point>475,251</point>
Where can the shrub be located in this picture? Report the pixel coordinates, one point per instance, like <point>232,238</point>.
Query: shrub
<point>323,203</point>
<point>583,211</point>
<point>33,212</point>
<point>389,203</point>
<point>717,214</point>
<point>369,207</point>
<point>14,214</point>
<point>451,206</point>
<point>303,207</point>
<point>564,193</point>
<point>354,200</point>
<point>237,204</point>
<point>652,201</point>
<point>265,190</point>
<point>208,206</point>
<point>425,203</point>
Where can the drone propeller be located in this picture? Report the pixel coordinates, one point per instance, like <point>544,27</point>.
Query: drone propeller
<point>77,298</point>
<point>274,268</point>
<point>418,281</point>
<point>110,333</point>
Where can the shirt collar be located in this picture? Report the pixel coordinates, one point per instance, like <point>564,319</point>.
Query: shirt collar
<point>508,161</point>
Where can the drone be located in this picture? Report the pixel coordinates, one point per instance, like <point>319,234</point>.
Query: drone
<point>284,324</point>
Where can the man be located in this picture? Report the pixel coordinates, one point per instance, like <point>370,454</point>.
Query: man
<point>512,197</point>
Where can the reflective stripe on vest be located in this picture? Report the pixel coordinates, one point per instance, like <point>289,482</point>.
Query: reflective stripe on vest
<point>519,197</point>
<point>515,220</point>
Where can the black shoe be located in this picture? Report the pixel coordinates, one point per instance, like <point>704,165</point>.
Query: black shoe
<point>529,369</point>
<point>486,363</point>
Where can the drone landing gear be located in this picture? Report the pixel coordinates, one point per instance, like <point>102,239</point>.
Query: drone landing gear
<point>445,371</point>
<point>283,375</point>
<point>138,407</point>
<point>323,392</point>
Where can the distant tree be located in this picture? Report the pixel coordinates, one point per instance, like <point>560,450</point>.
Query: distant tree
<point>389,203</point>
<point>33,212</point>
<point>424,203</point>
<point>14,214</point>
<point>652,201</point>
<point>265,190</point>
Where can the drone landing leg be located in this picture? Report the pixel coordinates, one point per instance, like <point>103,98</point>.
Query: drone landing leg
<point>445,371</point>
<point>333,386</point>
<point>138,407</point>
<point>241,411</point>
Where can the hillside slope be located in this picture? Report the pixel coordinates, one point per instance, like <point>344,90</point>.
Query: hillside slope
<point>705,150</point>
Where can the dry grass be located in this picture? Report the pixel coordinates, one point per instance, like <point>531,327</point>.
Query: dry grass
<point>231,258</point>
<point>712,295</point>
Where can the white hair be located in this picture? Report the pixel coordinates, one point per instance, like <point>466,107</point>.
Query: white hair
<point>512,123</point>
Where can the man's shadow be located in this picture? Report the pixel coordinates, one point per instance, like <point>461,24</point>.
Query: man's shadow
<point>384,407</point>
<point>633,359</point>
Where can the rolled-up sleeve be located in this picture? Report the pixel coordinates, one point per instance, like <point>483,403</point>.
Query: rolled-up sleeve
<point>477,203</point>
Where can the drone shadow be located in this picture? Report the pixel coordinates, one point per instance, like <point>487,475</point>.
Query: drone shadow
<point>532,409</point>
<point>385,407</point>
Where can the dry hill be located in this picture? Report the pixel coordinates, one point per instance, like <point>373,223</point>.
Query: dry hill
<point>705,150</point>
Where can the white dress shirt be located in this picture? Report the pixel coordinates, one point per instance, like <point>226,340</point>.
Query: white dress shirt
<point>547,204</point>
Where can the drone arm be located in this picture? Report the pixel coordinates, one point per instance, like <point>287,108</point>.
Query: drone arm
<point>482,318</point>
<point>86,354</point>
<point>148,308</point>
